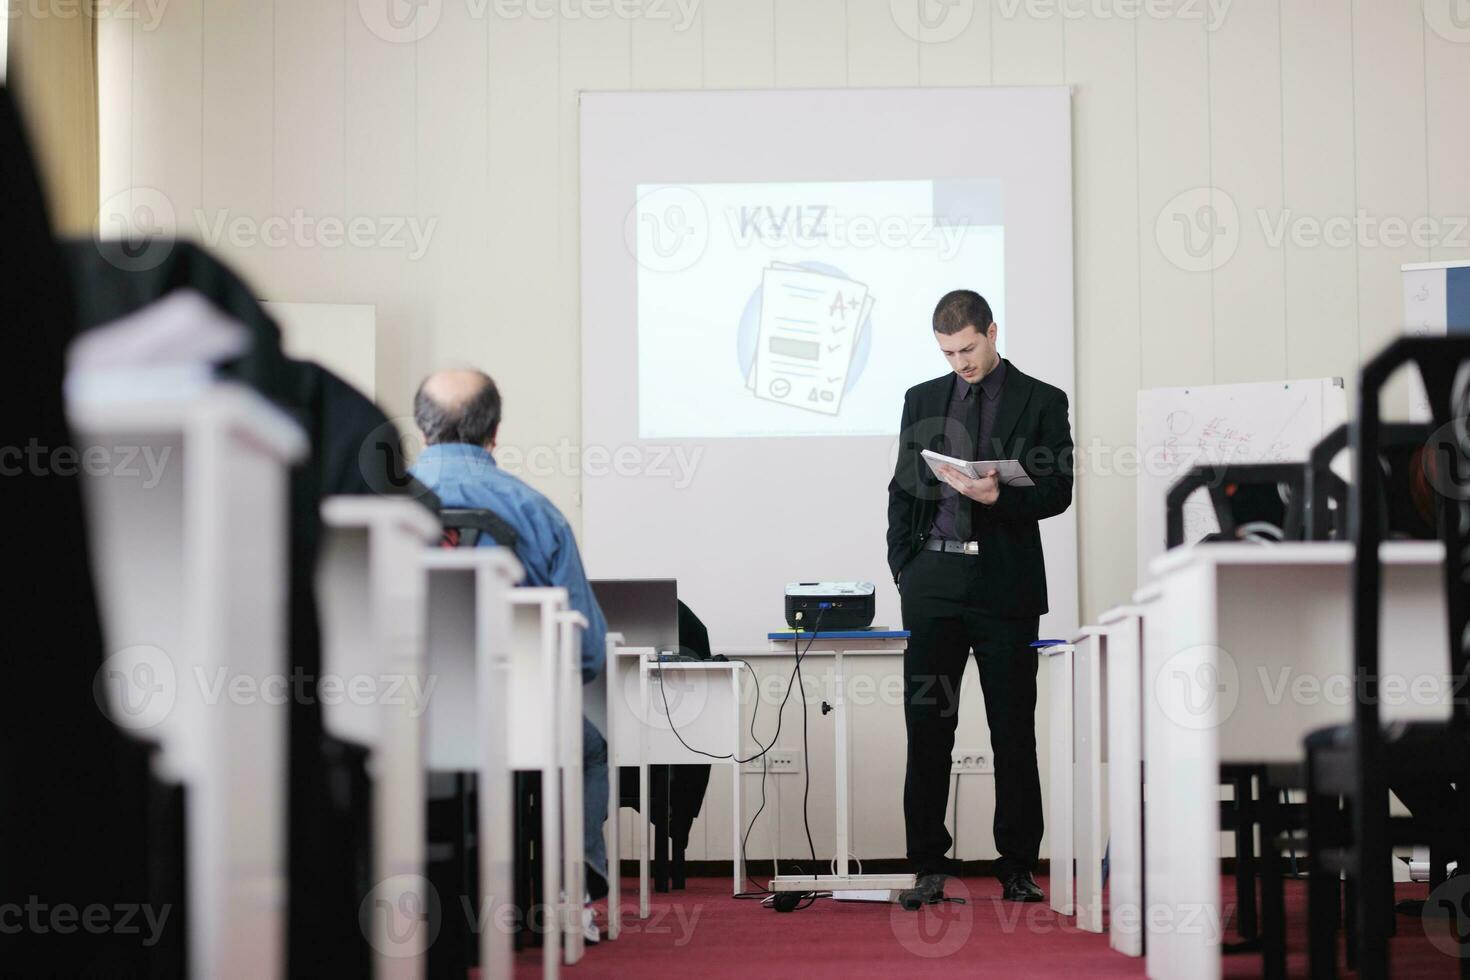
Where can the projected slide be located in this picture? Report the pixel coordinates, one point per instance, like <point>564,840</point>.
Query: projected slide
<point>801,309</point>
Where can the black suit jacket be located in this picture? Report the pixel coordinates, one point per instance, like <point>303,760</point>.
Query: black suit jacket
<point>1030,425</point>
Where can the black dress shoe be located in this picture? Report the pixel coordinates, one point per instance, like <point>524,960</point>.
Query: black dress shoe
<point>1021,887</point>
<point>928,890</point>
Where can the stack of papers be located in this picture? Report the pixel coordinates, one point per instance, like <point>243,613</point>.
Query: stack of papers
<point>810,325</point>
<point>1009,472</point>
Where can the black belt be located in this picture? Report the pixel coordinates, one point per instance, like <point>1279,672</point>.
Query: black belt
<point>952,547</point>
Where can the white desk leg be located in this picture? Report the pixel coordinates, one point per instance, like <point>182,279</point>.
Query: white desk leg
<point>551,824</point>
<point>645,821</point>
<point>613,831</point>
<point>1087,774</point>
<point>497,848</point>
<point>1125,795</point>
<point>645,828</point>
<point>1059,684</point>
<point>1182,753</point>
<point>735,808</point>
<point>840,733</point>
<point>573,844</point>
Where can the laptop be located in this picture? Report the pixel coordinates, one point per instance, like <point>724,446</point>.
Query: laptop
<point>644,610</point>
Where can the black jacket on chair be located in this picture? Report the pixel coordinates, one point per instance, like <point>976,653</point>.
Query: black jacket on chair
<point>1031,425</point>
<point>354,450</point>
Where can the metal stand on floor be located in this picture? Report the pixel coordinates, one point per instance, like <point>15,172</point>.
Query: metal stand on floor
<point>842,881</point>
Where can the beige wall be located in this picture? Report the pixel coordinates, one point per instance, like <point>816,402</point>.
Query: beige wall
<point>1323,107</point>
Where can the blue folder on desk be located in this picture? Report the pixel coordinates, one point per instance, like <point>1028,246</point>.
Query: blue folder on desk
<point>840,635</point>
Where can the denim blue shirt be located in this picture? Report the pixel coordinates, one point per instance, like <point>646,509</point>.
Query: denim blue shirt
<point>466,476</point>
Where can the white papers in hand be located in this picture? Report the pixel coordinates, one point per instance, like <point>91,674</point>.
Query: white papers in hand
<point>1009,471</point>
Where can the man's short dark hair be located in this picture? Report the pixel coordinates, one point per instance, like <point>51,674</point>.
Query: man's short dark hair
<point>960,309</point>
<point>474,421</point>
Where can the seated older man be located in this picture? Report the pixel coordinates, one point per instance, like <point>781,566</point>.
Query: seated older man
<point>458,413</point>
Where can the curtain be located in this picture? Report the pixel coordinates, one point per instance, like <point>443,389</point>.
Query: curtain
<point>51,72</point>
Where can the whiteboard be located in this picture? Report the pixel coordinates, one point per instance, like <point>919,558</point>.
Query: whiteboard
<point>734,517</point>
<point>341,337</point>
<point>1434,294</point>
<point>1259,422</point>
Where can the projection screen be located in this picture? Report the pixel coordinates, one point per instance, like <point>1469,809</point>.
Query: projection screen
<point>758,274</point>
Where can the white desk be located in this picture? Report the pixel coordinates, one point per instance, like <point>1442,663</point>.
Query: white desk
<point>1101,721</point>
<point>192,581</point>
<point>570,625</point>
<point>1089,799</point>
<point>1251,649</point>
<point>371,595</point>
<point>703,710</point>
<point>1122,670</point>
<point>470,714</point>
<point>545,699</point>
<point>838,643</point>
<point>1060,812</point>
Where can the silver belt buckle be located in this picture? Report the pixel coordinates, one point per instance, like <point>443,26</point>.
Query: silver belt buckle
<point>972,547</point>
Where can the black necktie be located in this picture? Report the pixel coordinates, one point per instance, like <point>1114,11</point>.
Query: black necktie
<point>964,523</point>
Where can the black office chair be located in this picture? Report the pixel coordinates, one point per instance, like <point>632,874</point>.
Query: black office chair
<point>676,792</point>
<point>1349,766</point>
<point>464,527</point>
<point>1326,494</point>
<point>1257,500</point>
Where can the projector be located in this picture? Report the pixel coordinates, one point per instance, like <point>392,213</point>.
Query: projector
<point>842,605</point>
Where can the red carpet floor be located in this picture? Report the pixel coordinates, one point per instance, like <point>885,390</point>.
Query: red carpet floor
<point>704,932</point>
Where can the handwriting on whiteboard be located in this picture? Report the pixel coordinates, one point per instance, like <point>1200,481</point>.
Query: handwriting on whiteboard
<point>1219,440</point>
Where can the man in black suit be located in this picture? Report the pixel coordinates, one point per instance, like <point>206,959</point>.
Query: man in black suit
<point>966,556</point>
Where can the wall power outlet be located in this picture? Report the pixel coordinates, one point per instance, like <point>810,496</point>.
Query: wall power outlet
<point>972,761</point>
<point>778,761</point>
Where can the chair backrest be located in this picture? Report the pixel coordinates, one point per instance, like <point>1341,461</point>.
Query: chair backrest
<point>464,527</point>
<point>1231,483</point>
<point>1327,493</point>
<point>1444,367</point>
